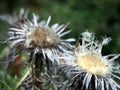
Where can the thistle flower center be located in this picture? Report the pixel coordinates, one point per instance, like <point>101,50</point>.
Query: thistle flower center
<point>43,37</point>
<point>93,63</point>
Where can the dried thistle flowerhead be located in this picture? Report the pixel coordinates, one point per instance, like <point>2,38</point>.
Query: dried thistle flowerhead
<point>89,56</point>
<point>40,36</point>
<point>91,67</point>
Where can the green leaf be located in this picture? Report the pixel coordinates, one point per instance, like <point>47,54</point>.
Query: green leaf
<point>5,50</point>
<point>25,74</point>
<point>6,85</point>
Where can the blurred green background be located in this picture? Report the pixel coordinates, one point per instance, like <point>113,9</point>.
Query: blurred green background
<point>101,17</point>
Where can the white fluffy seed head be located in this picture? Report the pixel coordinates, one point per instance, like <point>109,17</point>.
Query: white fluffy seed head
<point>93,63</point>
<point>89,57</point>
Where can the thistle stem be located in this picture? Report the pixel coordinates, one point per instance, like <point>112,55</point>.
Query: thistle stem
<point>37,70</point>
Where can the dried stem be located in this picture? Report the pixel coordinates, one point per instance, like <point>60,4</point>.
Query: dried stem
<point>37,64</point>
<point>38,69</point>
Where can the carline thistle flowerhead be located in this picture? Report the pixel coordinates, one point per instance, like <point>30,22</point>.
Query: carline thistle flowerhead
<point>40,36</point>
<point>89,64</point>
